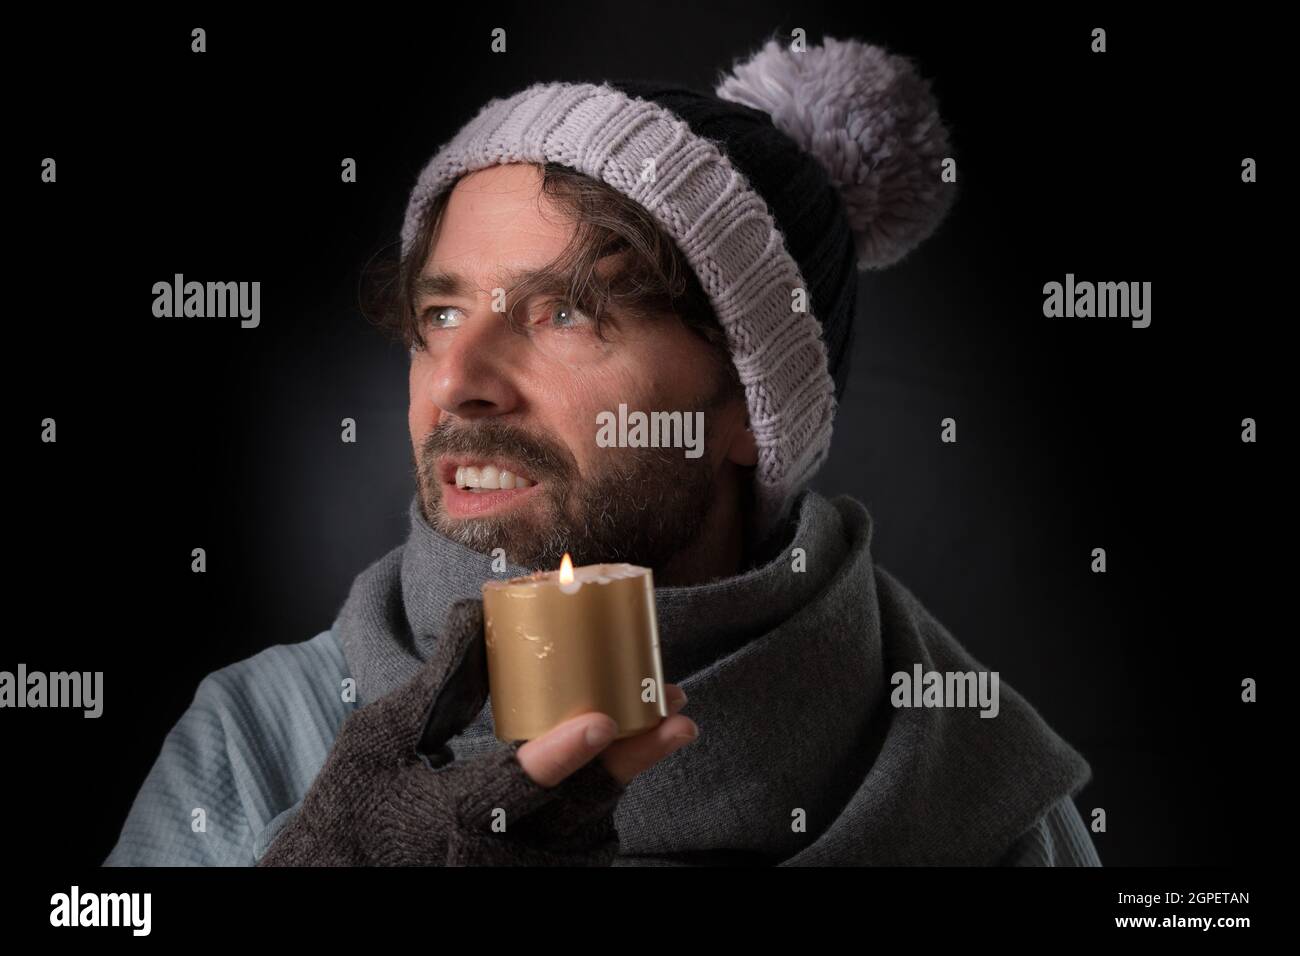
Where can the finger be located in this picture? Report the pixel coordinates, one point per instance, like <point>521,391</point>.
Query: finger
<point>554,756</point>
<point>565,748</point>
<point>627,758</point>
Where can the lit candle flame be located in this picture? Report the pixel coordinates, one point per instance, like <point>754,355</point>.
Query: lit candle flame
<point>566,570</point>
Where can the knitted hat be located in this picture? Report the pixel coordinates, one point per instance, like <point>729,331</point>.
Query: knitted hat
<point>803,167</point>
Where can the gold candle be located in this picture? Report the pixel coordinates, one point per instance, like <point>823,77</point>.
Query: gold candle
<point>561,643</point>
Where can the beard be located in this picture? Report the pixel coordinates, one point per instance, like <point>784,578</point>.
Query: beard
<point>643,507</point>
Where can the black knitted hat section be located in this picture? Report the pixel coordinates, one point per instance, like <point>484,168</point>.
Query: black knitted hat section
<point>803,202</point>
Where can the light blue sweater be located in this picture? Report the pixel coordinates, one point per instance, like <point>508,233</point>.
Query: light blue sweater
<point>247,749</point>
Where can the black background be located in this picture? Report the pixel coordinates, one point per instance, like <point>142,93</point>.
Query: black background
<point>1073,434</point>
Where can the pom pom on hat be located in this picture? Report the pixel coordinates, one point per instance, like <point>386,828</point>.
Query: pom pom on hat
<point>871,122</point>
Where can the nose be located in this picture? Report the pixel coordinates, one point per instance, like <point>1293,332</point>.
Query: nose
<point>469,367</point>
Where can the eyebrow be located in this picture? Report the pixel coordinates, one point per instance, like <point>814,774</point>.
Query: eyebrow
<point>434,284</point>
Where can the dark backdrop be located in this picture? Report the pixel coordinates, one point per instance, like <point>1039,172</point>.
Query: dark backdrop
<point>1072,435</point>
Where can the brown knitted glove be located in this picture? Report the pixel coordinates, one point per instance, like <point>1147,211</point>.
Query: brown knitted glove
<point>391,794</point>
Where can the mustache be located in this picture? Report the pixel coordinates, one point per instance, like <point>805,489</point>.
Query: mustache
<point>489,437</point>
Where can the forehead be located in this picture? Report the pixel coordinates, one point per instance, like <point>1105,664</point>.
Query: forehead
<point>496,221</point>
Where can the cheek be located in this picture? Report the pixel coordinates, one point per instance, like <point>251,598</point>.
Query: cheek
<point>604,387</point>
<point>573,399</point>
<point>422,413</point>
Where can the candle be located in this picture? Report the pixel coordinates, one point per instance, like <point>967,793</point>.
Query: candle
<point>561,643</point>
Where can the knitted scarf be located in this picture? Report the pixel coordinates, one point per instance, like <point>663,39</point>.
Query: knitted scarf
<point>802,759</point>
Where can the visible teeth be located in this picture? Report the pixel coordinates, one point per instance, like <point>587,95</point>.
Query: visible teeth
<point>489,478</point>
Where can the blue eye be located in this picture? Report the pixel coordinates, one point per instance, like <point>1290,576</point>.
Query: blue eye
<point>440,316</point>
<point>564,316</point>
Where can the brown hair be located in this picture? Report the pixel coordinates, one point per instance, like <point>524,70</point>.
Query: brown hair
<point>654,278</point>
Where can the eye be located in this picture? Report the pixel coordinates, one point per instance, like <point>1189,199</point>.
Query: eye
<point>564,315</point>
<point>440,317</point>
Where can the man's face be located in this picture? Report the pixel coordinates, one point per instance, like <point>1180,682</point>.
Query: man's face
<point>489,398</point>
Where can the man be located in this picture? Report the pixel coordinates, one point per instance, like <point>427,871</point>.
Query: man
<point>576,252</point>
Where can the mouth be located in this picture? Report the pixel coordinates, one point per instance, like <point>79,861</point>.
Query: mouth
<point>476,486</point>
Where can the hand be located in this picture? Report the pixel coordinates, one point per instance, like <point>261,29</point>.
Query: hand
<point>380,799</point>
<point>563,749</point>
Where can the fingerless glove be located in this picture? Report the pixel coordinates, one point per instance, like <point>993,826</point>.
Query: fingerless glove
<point>390,792</point>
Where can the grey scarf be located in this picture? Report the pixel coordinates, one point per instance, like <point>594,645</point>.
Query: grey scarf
<point>801,759</point>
